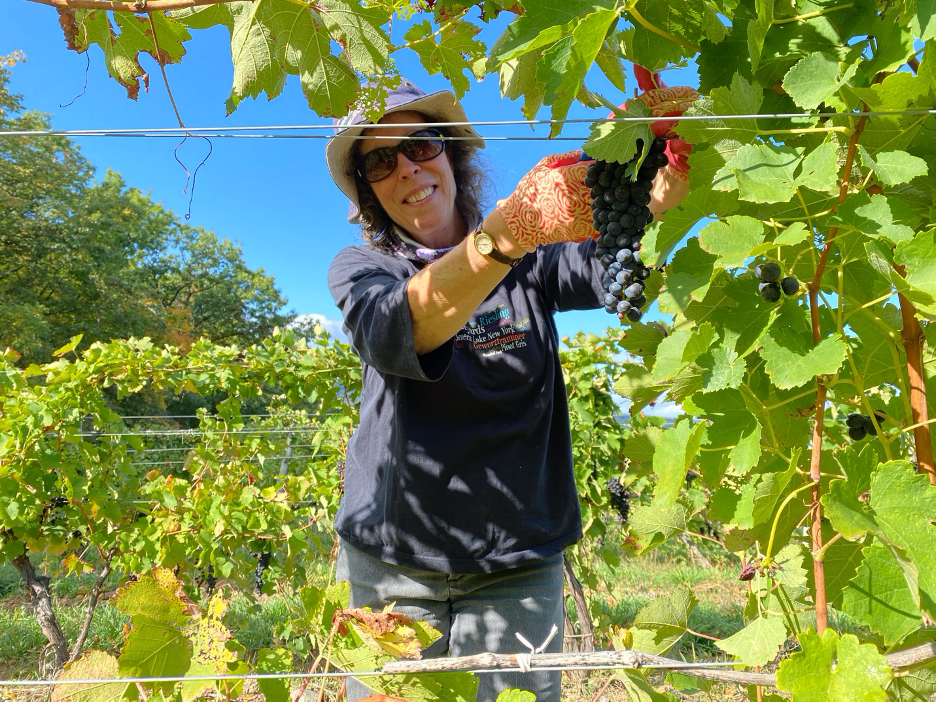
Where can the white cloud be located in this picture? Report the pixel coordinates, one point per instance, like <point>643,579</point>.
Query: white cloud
<point>332,326</point>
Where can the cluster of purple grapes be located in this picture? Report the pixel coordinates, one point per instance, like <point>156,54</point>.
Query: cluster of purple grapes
<point>771,285</point>
<point>620,498</point>
<point>619,204</point>
<point>263,562</point>
<point>860,425</point>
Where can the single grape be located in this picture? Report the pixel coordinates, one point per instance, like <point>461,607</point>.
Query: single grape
<point>789,285</point>
<point>615,289</point>
<point>769,291</point>
<point>610,300</point>
<point>770,271</point>
<point>857,433</point>
<point>634,290</point>
<point>869,426</point>
<point>624,277</point>
<point>610,309</point>
<point>639,301</point>
<point>634,315</point>
<point>854,420</point>
<point>607,260</point>
<point>623,306</point>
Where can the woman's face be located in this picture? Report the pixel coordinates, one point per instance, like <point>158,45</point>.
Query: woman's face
<point>417,196</point>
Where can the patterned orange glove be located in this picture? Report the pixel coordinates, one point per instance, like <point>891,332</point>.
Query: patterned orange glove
<point>550,203</point>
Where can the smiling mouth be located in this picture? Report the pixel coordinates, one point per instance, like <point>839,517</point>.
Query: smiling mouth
<point>421,195</point>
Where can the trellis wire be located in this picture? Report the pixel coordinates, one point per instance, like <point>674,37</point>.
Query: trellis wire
<point>345,674</point>
<point>220,131</point>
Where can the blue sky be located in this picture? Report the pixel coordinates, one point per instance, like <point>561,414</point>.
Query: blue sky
<point>273,196</point>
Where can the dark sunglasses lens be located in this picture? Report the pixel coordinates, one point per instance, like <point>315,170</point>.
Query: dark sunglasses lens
<point>422,149</point>
<point>378,164</point>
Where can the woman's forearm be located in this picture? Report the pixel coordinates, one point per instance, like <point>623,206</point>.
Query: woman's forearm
<point>443,296</point>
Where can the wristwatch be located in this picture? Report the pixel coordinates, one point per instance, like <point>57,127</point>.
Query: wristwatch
<point>485,246</point>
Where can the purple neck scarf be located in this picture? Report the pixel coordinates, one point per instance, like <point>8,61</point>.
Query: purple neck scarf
<point>404,246</point>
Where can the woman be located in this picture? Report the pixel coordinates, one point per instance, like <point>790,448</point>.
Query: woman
<point>459,493</point>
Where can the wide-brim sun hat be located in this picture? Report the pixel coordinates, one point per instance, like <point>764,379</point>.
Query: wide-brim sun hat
<point>440,106</point>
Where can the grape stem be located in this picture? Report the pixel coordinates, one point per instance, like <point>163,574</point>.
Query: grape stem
<point>813,15</point>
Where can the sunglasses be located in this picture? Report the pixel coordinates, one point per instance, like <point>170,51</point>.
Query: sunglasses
<point>423,145</point>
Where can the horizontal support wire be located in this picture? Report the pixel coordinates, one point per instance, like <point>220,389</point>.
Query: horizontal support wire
<point>345,674</point>
<point>219,132</point>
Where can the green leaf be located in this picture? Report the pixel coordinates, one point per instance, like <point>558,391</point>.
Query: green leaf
<point>790,364</point>
<point>617,141</point>
<point>893,167</point>
<point>913,685</point>
<point>256,69</point>
<point>878,596</point>
<point>761,173</point>
<point>732,239</point>
<point>904,505</point>
<point>872,216</point>
<point>610,63</point>
<point>514,695</point>
<point>542,23</point>
<point>757,30</point>
<point>518,79</point>
<point>455,52</point>
<point>814,79</point>
<point>154,649</point>
<point>661,622</point>
<point>732,441</point>
<point>742,97</point>
<point>274,660</point>
<point>758,643</point>
<point>122,61</point>
<point>845,499</point>
<point>650,526</point>
<point>830,668</point>
<point>819,170</point>
<point>675,452</point>
<point>669,356</point>
<point>564,65</point>
<point>359,31</point>
<point>722,369</point>
<point>158,594</point>
<point>92,665</point>
<point>682,18</point>
<point>692,270</point>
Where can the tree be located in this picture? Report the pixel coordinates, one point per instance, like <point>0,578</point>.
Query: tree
<point>103,260</point>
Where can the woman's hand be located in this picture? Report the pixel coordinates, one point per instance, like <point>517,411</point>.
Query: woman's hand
<point>550,203</point>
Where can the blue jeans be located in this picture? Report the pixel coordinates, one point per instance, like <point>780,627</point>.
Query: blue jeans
<point>476,613</point>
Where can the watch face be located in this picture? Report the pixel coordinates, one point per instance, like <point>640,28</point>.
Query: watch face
<point>483,243</point>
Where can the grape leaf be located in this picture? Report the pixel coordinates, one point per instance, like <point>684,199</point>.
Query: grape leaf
<point>610,63</point>
<point>515,695</point>
<point>913,685</point>
<point>819,170</point>
<point>758,643</point>
<point>253,52</point>
<point>843,502</point>
<point>830,668</point>
<point>643,340</point>
<point>661,622</point>
<point>617,141</point>
<point>761,173</point>
<point>518,79</point>
<point>650,526</point>
<point>719,63</point>
<point>358,29</point>
<point>691,272</point>
<point>543,23</point>
<point>92,665</point>
<point>747,317</point>
<point>303,48</point>
<point>565,64</point>
<point>154,649</point>
<point>675,452</point>
<point>814,79</point>
<point>159,594</point>
<point>871,215</point>
<point>904,507</point>
<point>721,369</point>
<point>757,30</point>
<point>893,167</point>
<point>274,660</point>
<point>741,97</point>
<point>878,596</point>
<point>790,364</point>
<point>669,356</point>
<point>659,242</point>
<point>919,258</point>
<point>456,51</point>
<point>732,440</point>
<point>682,18</point>
<point>732,239</point>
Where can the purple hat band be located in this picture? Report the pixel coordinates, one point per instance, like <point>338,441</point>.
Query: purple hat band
<point>436,107</point>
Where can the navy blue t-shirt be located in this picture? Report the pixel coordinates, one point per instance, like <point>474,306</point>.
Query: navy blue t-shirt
<point>462,462</point>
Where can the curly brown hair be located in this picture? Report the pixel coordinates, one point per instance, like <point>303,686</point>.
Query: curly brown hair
<point>473,186</point>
